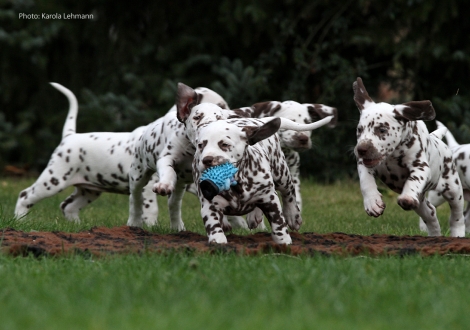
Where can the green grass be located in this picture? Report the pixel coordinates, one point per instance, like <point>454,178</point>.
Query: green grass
<point>184,291</point>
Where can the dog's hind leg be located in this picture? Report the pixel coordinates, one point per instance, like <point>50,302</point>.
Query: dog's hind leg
<point>149,203</point>
<point>290,208</point>
<point>293,162</point>
<point>47,185</point>
<point>138,179</point>
<point>80,198</point>
<point>436,199</point>
<point>427,213</point>
<point>454,196</point>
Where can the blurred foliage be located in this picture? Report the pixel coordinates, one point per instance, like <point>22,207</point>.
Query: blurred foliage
<point>124,64</point>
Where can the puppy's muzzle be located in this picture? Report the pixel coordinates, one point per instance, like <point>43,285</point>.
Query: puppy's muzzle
<point>369,155</point>
<point>209,161</point>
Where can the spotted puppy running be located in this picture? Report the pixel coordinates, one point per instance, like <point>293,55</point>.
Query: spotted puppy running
<point>164,148</point>
<point>253,147</point>
<point>393,144</point>
<point>94,163</point>
<point>292,142</point>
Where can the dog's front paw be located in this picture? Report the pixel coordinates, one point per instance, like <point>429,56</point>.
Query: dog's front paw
<point>254,218</point>
<point>218,238</point>
<point>374,206</point>
<point>177,226</point>
<point>282,239</point>
<point>163,189</point>
<point>407,202</point>
<point>133,222</point>
<point>294,222</point>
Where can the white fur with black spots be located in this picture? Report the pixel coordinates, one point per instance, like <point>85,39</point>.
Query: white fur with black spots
<point>252,146</point>
<point>393,145</point>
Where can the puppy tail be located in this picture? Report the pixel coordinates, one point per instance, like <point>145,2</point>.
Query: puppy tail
<point>451,142</point>
<point>71,121</point>
<point>439,133</point>
<point>289,124</point>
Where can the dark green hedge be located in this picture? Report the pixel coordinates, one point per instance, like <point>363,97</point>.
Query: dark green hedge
<point>124,64</point>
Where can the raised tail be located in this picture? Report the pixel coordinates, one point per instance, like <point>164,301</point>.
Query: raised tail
<point>71,121</point>
<point>289,124</point>
<point>451,142</point>
<point>439,132</point>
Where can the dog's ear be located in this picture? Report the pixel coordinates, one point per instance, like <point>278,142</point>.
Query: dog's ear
<point>186,99</point>
<point>320,111</point>
<point>268,109</point>
<point>256,134</point>
<point>361,97</point>
<point>240,113</point>
<point>415,110</point>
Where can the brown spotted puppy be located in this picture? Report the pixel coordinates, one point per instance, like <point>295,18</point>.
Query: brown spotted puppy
<point>253,147</point>
<point>393,144</point>
<point>293,142</point>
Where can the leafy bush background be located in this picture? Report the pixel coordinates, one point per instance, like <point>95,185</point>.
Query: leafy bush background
<point>124,64</point>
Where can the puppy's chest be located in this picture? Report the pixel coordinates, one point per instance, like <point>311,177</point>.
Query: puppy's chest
<point>253,186</point>
<point>393,174</point>
<point>407,164</point>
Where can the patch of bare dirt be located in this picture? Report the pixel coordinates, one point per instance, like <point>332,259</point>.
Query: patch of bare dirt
<point>100,241</point>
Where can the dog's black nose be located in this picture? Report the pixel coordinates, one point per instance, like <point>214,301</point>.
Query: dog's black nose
<point>303,139</point>
<point>362,150</point>
<point>208,160</point>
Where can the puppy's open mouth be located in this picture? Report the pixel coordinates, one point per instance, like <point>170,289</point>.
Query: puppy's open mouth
<point>370,162</point>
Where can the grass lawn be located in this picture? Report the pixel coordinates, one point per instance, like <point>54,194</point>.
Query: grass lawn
<point>184,291</point>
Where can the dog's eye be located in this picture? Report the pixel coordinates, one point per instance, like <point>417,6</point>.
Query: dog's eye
<point>380,130</point>
<point>197,117</point>
<point>199,146</point>
<point>359,130</point>
<point>224,146</point>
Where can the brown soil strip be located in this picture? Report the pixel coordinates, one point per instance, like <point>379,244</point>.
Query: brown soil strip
<point>124,240</point>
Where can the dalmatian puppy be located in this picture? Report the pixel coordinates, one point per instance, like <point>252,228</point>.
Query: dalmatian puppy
<point>393,144</point>
<point>293,142</point>
<point>165,148</point>
<point>252,146</point>
<point>94,163</point>
<point>461,158</point>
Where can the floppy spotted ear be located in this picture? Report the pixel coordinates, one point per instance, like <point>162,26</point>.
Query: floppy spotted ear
<point>186,99</point>
<point>240,113</point>
<point>256,134</point>
<point>268,109</point>
<point>361,97</point>
<point>415,110</point>
<point>320,111</point>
